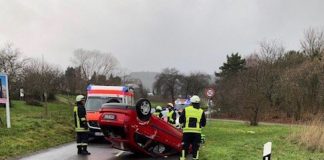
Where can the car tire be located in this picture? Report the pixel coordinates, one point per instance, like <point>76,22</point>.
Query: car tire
<point>143,109</point>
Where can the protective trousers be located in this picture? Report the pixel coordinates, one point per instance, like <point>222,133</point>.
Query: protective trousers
<point>193,139</point>
<point>82,141</point>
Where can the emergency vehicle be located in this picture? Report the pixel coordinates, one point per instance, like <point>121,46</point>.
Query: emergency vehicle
<point>99,95</point>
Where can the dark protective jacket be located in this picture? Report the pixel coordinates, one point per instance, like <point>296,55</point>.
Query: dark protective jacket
<point>80,119</point>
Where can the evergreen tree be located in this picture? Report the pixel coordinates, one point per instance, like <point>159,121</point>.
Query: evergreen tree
<point>234,64</point>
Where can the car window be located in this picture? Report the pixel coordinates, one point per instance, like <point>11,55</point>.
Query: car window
<point>94,103</point>
<point>181,106</point>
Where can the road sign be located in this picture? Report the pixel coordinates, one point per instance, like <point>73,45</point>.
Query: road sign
<point>4,95</point>
<point>209,92</point>
<point>22,94</point>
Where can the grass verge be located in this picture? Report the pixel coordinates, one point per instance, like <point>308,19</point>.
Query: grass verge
<point>155,104</point>
<point>31,131</point>
<point>237,141</point>
<point>311,136</point>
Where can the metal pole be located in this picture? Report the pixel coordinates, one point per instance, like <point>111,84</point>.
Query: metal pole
<point>8,105</point>
<point>209,109</point>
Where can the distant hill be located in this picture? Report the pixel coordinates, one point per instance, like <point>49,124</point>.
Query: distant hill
<point>147,78</point>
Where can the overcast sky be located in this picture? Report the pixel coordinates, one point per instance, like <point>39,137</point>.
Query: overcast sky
<point>148,35</point>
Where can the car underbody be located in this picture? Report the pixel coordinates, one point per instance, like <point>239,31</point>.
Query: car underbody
<point>133,128</point>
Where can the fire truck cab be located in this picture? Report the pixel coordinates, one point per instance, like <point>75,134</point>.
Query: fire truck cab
<point>99,95</point>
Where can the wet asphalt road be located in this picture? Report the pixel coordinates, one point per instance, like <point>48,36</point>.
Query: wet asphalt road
<point>99,151</point>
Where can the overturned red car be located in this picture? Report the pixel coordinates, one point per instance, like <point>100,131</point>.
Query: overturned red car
<point>132,128</point>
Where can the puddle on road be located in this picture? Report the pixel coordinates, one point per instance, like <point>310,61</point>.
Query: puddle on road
<point>131,156</point>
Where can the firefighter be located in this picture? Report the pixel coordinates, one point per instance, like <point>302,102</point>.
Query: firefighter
<point>193,119</point>
<point>158,112</point>
<point>172,115</point>
<point>81,126</point>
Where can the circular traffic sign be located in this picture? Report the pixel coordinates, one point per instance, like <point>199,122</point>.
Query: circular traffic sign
<point>210,92</point>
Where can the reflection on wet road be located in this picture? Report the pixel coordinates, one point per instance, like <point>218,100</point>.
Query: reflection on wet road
<point>99,151</point>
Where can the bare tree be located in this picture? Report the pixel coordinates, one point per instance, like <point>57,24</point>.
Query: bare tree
<point>270,51</point>
<point>251,92</point>
<point>313,43</point>
<point>91,61</point>
<point>40,77</point>
<point>168,83</point>
<point>194,83</point>
<point>259,80</point>
<point>12,63</point>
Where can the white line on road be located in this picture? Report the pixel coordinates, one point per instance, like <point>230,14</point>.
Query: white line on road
<point>120,153</point>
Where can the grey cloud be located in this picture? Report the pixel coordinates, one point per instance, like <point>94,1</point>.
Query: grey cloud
<point>148,35</point>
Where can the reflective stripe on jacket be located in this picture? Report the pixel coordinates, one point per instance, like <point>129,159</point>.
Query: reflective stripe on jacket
<point>193,117</point>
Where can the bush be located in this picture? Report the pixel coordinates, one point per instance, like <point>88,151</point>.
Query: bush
<point>33,102</point>
<point>312,135</point>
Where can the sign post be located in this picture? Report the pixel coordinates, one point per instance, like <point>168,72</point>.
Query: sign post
<point>209,93</point>
<point>4,96</point>
<point>267,151</point>
<point>21,93</point>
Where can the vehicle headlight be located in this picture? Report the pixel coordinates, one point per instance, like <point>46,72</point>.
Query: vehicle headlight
<point>109,117</point>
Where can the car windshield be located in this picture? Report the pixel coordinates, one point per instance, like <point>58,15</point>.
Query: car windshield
<point>94,103</point>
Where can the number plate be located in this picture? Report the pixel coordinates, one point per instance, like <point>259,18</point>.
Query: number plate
<point>98,134</point>
<point>109,117</point>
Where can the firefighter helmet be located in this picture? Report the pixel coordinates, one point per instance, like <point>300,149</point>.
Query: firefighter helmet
<point>195,99</point>
<point>79,98</point>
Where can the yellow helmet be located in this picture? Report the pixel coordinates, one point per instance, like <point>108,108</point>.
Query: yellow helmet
<point>170,104</point>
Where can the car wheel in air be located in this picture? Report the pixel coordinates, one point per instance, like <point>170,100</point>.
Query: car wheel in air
<point>143,109</point>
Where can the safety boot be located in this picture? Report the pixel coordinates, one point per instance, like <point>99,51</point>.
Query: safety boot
<point>85,151</point>
<point>79,150</point>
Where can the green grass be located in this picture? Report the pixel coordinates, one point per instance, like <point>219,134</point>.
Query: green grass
<point>155,104</point>
<point>31,131</point>
<point>68,99</point>
<point>233,141</point>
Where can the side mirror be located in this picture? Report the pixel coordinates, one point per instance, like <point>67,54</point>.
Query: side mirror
<point>143,109</point>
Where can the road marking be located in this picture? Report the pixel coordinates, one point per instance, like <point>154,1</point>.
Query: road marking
<point>120,153</point>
